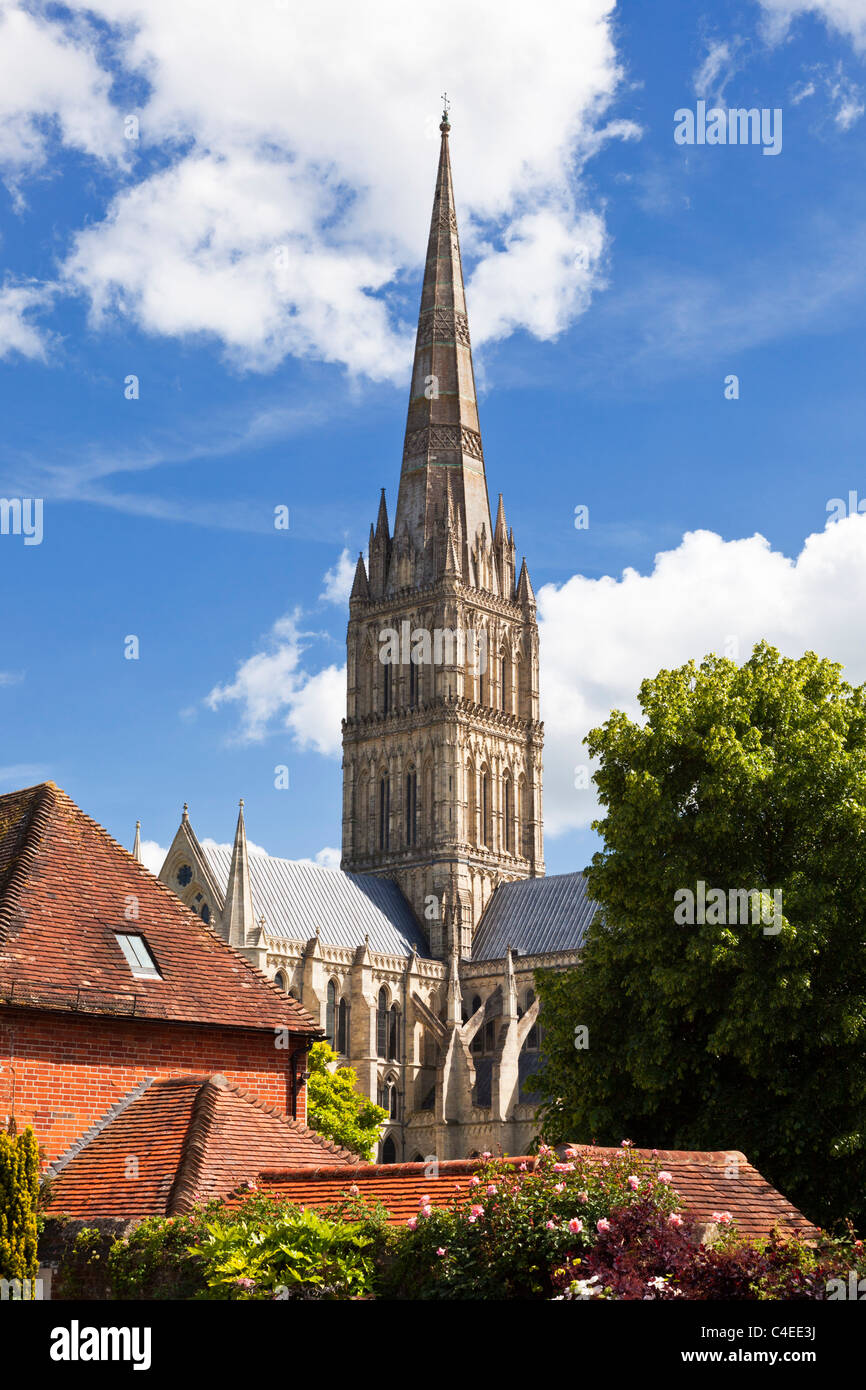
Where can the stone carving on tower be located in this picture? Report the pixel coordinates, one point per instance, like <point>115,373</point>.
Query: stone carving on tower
<point>442,741</point>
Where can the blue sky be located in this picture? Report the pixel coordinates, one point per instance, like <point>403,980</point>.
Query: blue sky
<point>614,280</point>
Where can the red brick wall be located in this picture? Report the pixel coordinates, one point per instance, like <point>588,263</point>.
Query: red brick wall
<point>68,1070</point>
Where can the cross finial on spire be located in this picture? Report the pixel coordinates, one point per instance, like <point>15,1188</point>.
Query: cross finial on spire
<point>446,107</point>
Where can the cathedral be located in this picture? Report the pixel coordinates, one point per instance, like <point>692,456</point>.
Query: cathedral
<point>418,955</point>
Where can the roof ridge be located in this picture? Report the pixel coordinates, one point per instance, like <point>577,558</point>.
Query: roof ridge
<point>182,1194</point>
<point>97,1128</point>
<point>193,916</point>
<point>36,821</point>
<point>297,1125</point>
<point>450,1167</point>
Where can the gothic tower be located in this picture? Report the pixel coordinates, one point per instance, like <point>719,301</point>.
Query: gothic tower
<point>442,740</point>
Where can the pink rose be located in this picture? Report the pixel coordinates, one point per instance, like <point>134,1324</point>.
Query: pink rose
<point>491,1189</point>
<point>440,1251</point>
<point>634,1183</point>
<point>674,1219</point>
<point>423,1201</point>
<point>575,1226</point>
<point>559,1187</point>
<point>412,1222</point>
<point>486,1154</point>
<point>583,1196</point>
<point>666,1177</point>
<point>476,1211</point>
<point>602,1226</point>
<point>551,1225</point>
<point>723,1217</point>
<point>523,1168</point>
<point>563,1167</point>
<point>476,1182</point>
<point>426,1211</point>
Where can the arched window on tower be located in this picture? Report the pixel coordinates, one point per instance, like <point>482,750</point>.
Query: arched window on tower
<point>393,1033</point>
<point>504,691</point>
<point>486,836</point>
<point>411,808</point>
<point>413,685</point>
<point>507,815</point>
<point>384,812</point>
<point>331,1015</point>
<point>386,688</point>
<point>532,1037</point>
<point>389,1151</point>
<point>471,807</point>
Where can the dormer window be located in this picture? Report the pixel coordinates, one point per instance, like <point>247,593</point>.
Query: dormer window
<point>138,957</point>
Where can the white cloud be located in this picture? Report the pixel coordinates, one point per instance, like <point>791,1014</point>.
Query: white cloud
<point>273,690</point>
<point>327,858</point>
<point>847,17</point>
<point>16,775</point>
<point>295,156</point>
<point>601,637</point>
<point>11,677</point>
<point>17,333</point>
<point>338,580</point>
<point>153,855</point>
<point>51,84</point>
<point>721,62</point>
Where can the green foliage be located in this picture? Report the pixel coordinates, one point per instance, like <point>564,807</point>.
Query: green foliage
<point>293,1253</point>
<point>19,1202</point>
<point>721,1035</point>
<point>505,1235</point>
<point>334,1107</point>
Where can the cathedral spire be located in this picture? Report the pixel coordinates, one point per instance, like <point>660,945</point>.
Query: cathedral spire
<point>238,920</point>
<point>442,454</point>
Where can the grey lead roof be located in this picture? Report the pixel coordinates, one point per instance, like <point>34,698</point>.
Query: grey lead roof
<point>535,916</point>
<point>297,898</point>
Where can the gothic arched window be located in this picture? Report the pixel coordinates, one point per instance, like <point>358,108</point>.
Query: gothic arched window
<point>471,808</point>
<point>393,1033</point>
<point>389,1151</point>
<point>280,980</point>
<point>331,1014</point>
<point>382,1023</point>
<point>504,692</point>
<point>485,809</point>
<point>411,807</point>
<point>384,812</point>
<point>413,684</point>
<point>343,1028</point>
<point>386,688</point>
<point>507,815</point>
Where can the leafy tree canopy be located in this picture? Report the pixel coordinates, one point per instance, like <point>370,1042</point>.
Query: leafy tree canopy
<point>334,1107</point>
<point>720,1033</point>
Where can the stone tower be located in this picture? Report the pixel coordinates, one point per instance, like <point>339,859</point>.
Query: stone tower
<point>442,740</point>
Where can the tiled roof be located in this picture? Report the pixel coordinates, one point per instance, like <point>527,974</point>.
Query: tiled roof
<point>67,888</point>
<point>699,1178</point>
<point>535,916</point>
<point>297,898</point>
<point>180,1142</point>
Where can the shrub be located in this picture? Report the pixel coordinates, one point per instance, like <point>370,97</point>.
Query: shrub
<point>19,1201</point>
<point>504,1234</point>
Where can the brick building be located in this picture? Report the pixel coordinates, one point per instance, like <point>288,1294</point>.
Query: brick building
<point>108,981</point>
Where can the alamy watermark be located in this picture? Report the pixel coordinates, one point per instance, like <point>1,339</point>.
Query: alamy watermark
<point>22,516</point>
<point>734,126</point>
<point>444,646</point>
<point>736,907</point>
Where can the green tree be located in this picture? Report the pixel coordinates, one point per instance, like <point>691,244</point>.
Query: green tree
<point>721,1034</point>
<point>19,1198</point>
<point>334,1107</point>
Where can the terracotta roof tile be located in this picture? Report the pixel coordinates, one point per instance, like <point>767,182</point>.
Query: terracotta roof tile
<point>65,886</point>
<point>180,1142</point>
<point>699,1178</point>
